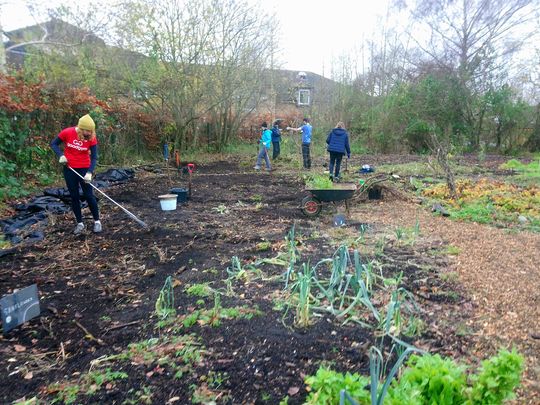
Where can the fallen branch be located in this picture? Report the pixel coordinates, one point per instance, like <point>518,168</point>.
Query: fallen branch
<point>121,326</point>
<point>88,334</point>
<point>63,351</point>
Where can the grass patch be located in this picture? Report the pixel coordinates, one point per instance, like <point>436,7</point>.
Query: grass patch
<point>424,169</point>
<point>199,290</point>
<point>263,246</point>
<point>452,250</point>
<point>450,276</point>
<point>491,202</point>
<point>88,384</point>
<point>4,244</point>
<point>214,316</point>
<point>528,173</point>
<point>449,250</point>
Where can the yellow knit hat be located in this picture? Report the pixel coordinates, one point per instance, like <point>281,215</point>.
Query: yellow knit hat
<point>86,122</point>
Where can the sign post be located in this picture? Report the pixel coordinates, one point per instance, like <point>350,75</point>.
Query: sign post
<point>19,307</point>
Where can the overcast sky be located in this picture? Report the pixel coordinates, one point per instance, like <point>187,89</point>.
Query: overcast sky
<point>316,32</point>
<point>313,33</point>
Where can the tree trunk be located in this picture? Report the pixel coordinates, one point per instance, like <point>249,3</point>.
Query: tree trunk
<point>478,135</point>
<point>533,143</point>
<point>441,152</point>
<point>498,135</point>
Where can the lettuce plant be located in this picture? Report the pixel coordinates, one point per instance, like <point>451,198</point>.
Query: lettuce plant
<point>325,387</point>
<point>439,381</point>
<point>497,379</point>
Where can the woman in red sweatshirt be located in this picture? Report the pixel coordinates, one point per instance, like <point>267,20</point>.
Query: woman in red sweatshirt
<point>80,153</point>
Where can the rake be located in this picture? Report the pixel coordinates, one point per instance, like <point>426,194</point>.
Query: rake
<point>132,216</point>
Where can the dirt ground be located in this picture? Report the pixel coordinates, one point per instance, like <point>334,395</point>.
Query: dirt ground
<point>98,292</point>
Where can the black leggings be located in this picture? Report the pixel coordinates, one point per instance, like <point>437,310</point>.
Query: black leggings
<point>72,182</point>
<point>335,161</point>
<point>275,150</point>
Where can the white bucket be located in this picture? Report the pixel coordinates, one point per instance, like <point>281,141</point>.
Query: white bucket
<point>168,202</point>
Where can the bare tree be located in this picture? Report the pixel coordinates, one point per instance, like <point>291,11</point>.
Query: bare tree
<point>204,59</point>
<point>474,40</point>
<point>470,34</point>
<point>243,50</point>
<point>440,148</point>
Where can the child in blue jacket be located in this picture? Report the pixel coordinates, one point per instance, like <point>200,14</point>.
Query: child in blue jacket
<point>338,145</point>
<point>265,143</point>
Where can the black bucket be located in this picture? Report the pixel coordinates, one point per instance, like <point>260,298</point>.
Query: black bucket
<point>181,194</point>
<point>374,193</point>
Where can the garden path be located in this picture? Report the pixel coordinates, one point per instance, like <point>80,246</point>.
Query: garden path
<point>499,269</point>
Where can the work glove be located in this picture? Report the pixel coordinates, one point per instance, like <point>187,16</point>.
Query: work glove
<point>62,160</point>
<point>348,156</point>
<point>88,177</point>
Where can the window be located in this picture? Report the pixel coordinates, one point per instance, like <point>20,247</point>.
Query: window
<point>304,97</point>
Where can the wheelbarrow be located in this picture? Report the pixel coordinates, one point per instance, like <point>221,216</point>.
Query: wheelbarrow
<point>312,204</point>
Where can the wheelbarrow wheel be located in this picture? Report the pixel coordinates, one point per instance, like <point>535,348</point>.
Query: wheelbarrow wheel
<point>311,206</point>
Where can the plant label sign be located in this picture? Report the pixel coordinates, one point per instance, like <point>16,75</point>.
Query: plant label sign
<point>19,307</point>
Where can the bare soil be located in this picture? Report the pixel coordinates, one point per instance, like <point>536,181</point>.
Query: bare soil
<point>98,292</point>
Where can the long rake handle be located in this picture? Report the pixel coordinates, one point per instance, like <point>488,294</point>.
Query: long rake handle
<point>114,202</point>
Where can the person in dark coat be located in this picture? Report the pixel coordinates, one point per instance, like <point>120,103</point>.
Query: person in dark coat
<point>276,139</point>
<point>338,145</point>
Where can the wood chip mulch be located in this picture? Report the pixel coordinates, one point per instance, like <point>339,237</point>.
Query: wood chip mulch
<point>499,269</point>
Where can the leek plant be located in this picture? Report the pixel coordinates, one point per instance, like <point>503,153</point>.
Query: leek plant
<point>236,271</point>
<point>165,303</point>
<point>379,246</point>
<point>392,323</point>
<point>216,311</point>
<point>400,233</point>
<point>363,228</point>
<point>376,371</point>
<point>345,292</point>
<point>303,286</point>
<point>293,254</point>
<point>363,272</point>
<point>239,272</point>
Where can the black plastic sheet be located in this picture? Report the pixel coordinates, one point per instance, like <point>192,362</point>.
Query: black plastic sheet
<point>116,175</point>
<point>29,223</point>
<point>44,203</point>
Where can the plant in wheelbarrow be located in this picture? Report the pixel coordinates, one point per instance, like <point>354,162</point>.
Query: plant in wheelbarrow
<point>322,190</point>
<point>319,182</point>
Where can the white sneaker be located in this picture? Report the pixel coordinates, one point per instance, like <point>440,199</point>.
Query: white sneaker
<point>97,227</point>
<point>78,229</point>
<point>257,167</point>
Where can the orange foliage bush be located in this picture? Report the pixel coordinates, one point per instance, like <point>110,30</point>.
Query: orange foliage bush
<point>16,96</point>
<point>505,196</point>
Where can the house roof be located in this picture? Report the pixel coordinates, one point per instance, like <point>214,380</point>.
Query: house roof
<point>54,30</point>
<point>283,83</point>
<point>286,83</point>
